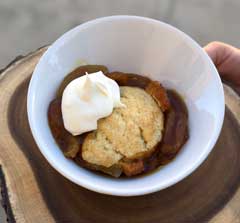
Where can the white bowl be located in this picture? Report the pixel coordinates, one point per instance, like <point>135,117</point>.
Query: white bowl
<point>143,46</point>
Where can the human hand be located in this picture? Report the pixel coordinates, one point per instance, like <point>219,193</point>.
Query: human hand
<point>227,60</point>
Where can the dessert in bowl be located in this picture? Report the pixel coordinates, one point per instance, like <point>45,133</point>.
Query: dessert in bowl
<point>126,130</point>
<point>155,51</point>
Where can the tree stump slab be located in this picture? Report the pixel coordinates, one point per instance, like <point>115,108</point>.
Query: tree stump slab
<point>34,192</point>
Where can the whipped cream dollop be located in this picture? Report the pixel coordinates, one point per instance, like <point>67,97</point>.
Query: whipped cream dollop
<point>87,99</point>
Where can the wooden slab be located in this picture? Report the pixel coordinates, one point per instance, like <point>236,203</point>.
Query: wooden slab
<point>34,192</point>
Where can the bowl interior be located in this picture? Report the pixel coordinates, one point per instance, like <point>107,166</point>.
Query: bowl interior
<point>143,46</point>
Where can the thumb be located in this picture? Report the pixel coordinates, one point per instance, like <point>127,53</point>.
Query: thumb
<point>227,60</point>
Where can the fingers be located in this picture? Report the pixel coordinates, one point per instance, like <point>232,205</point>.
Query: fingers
<point>219,52</point>
<point>227,60</point>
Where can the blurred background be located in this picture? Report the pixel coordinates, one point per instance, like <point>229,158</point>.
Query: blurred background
<point>29,24</point>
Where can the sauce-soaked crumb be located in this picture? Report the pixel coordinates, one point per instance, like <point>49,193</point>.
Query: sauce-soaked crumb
<point>138,125</point>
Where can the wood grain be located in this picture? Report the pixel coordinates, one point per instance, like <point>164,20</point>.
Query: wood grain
<point>37,193</point>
